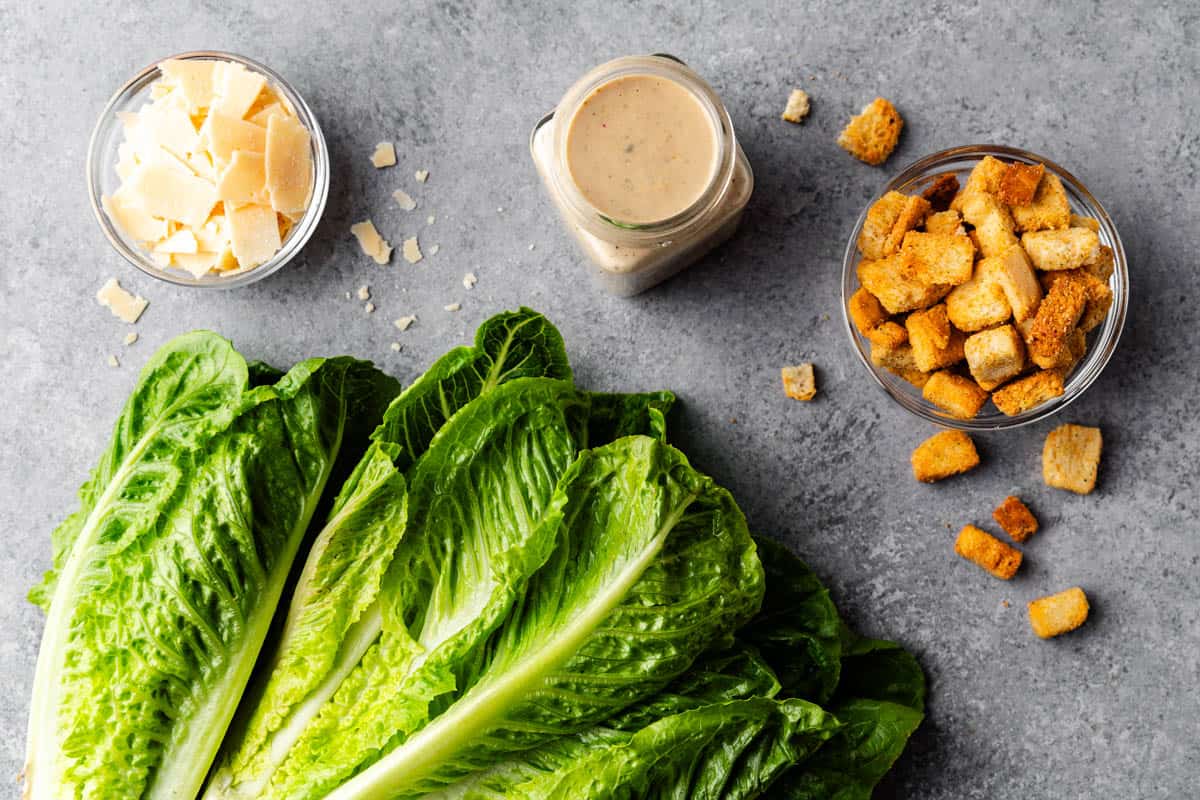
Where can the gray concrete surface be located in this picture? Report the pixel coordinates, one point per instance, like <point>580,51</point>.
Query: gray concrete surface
<point>1108,90</point>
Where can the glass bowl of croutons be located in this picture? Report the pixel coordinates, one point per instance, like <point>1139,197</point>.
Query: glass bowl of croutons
<point>984,288</point>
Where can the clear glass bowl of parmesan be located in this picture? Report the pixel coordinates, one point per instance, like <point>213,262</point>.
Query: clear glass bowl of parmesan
<point>208,169</point>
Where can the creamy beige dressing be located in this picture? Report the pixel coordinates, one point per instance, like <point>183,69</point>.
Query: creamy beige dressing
<point>641,149</point>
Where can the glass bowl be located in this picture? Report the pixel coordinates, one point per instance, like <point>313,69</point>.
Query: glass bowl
<point>102,177</point>
<point>1101,342</point>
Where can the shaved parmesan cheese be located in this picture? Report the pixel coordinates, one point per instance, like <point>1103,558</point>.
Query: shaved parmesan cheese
<point>182,241</point>
<point>364,292</point>
<point>244,180</point>
<point>113,361</point>
<point>453,307</point>
<point>213,236</point>
<point>404,200</point>
<point>412,250</point>
<point>384,155</point>
<point>130,338</point>
<point>371,242</point>
<point>289,164</point>
<point>226,134</point>
<point>369,308</point>
<point>120,302</point>
<point>196,264</point>
<point>263,115</point>
<point>422,175</point>
<point>171,129</point>
<point>254,233</point>
<point>134,221</point>
<point>236,88</point>
<point>194,78</point>
<point>469,280</point>
<point>171,194</point>
<point>405,322</point>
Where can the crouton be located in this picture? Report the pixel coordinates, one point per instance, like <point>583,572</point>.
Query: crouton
<point>942,455</point>
<point>1099,302</point>
<point>1025,393</point>
<point>940,258</point>
<point>994,356</point>
<point>935,343</point>
<point>911,216</point>
<point>942,191</point>
<point>1049,209</point>
<point>1016,519</point>
<point>1015,275</point>
<point>993,223</point>
<point>888,334</point>
<point>799,382</point>
<point>898,360</point>
<point>1069,248</point>
<point>980,302</point>
<point>958,396</point>
<point>1072,352</point>
<point>1060,613</point>
<point>1019,183</point>
<point>1102,266</point>
<point>895,283</point>
<point>985,178</point>
<point>1056,317</point>
<point>872,135</point>
<point>988,552</point>
<point>865,311</point>
<point>797,106</point>
<point>1071,458</point>
<point>947,221</point>
<point>1085,222</point>
<point>881,218</point>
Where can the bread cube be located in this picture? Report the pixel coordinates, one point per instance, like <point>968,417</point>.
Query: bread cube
<point>1015,518</point>
<point>1085,222</point>
<point>898,360</point>
<point>980,302</point>
<point>1019,183</point>
<point>958,396</point>
<point>888,334</point>
<point>895,283</point>
<point>881,217</point>
<point>1015,275</point>
<point>994,356</point>
<point>988,552</point>
<point>1056,317</point>
<point>1059,613</point>
<point>1069,248</point>
<point>1071,458</point>
<point>941,192</point>
<point>947,221</point>
<point>942,455</point>
<point>994,226</point>
<point>1103,265</point>
<point>1029,392</point>
<point>865,311</point>
<point>985,178</point>
<point>799,382</point>
<point>1099,302</point>
<point>911,216</point>
<point>1049,209</point>
<point>935,343</point>
<point>940,258</point>
<point>872,135</point>
<point>1072,352</point>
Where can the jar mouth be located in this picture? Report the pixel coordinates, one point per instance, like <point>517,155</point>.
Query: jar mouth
<point>659,65</point>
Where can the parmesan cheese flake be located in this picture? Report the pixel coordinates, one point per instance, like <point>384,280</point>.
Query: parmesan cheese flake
<point>120,302</point>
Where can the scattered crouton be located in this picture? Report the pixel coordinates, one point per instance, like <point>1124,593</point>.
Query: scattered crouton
<point>1069,248</point>
<point>980,302</point>
<point>888,334</point>
<point>1019,183</point>
<point>911,216</point>
<point>1059,613</point>
<point>872,135</point>
<point>1026,393</point>
<point>1085,222</point>
<point>881,218</point>
<point>1071,458</point>
<point>995,356</point>
<point>941,192</point>
<point>988,552</point>
<point>1103,265</point>
<point>865,311</point>
<point>939,258</point>
<point>799,382</point>
<point>1015,275</point>
<point>993,223</point>
<point>948,221</point>
<point>1016,519</point>
<point>894,281</point>
<point>934,342</point>
<point>1056,317</point>
<point>797,106</point>
<point>958,396</point>
<point>1050,207</point>
<point>942,455</point>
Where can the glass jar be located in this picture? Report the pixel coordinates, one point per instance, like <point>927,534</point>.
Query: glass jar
<point>626,257</point>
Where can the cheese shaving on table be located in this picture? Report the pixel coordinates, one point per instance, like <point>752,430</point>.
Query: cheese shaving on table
<point>469,280</point>
<point>113,361</point>
<point>130,338</point>
<point>412,250</point>
<point>371,242</point>
<point>121,303</point>
<point>384,155</point>
<point>422,175</point>
<point>369,308</point>
<point>405,322</point>
<point>364,292</point>
<point>453,306</point>
<point>404,200</point>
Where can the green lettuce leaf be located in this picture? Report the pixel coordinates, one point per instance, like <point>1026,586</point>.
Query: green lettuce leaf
<point>167,592</point>
<point>613,416</point>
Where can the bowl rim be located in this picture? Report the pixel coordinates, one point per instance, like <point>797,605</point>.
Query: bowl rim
<point>1099,353</point>
<point>297,237</point>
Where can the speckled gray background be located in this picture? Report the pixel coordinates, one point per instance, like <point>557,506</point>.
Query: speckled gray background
<point>1108,91</point>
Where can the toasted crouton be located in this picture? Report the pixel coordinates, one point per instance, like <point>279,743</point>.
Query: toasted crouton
<point>911,216</point>
<point>1069,248</point>
<point>958,396</point>
<point>941,192</point>
<point>799,382</point>
<point>948,221</point>
<point>985,177</point>
<point>898,360</point>
<point>1028,392</point>
<point>1103,265</point>
<point>988,552</point>
<point>865,311</point>
<point>993,224</point>
<point>1073,350</point>
<point>881,218</point>
<point>895,283</point>
<point>1019,183</point>
<point>1016,519</point>
<point>1049,209</point>
<point>940,258</point>
<point>1059,613</point>
<point>872,135</point>
<point>797,106</point>
<point>980,302</point>
<point>1071,458</point>
<point>942,455</point>
<point>1099,302</point>
<point>1056,317</point>
<point>1085,222</point>
<point>935,343</point>
<point>1015,275</point>
<point>888,334</point>
<point>995,355</point>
